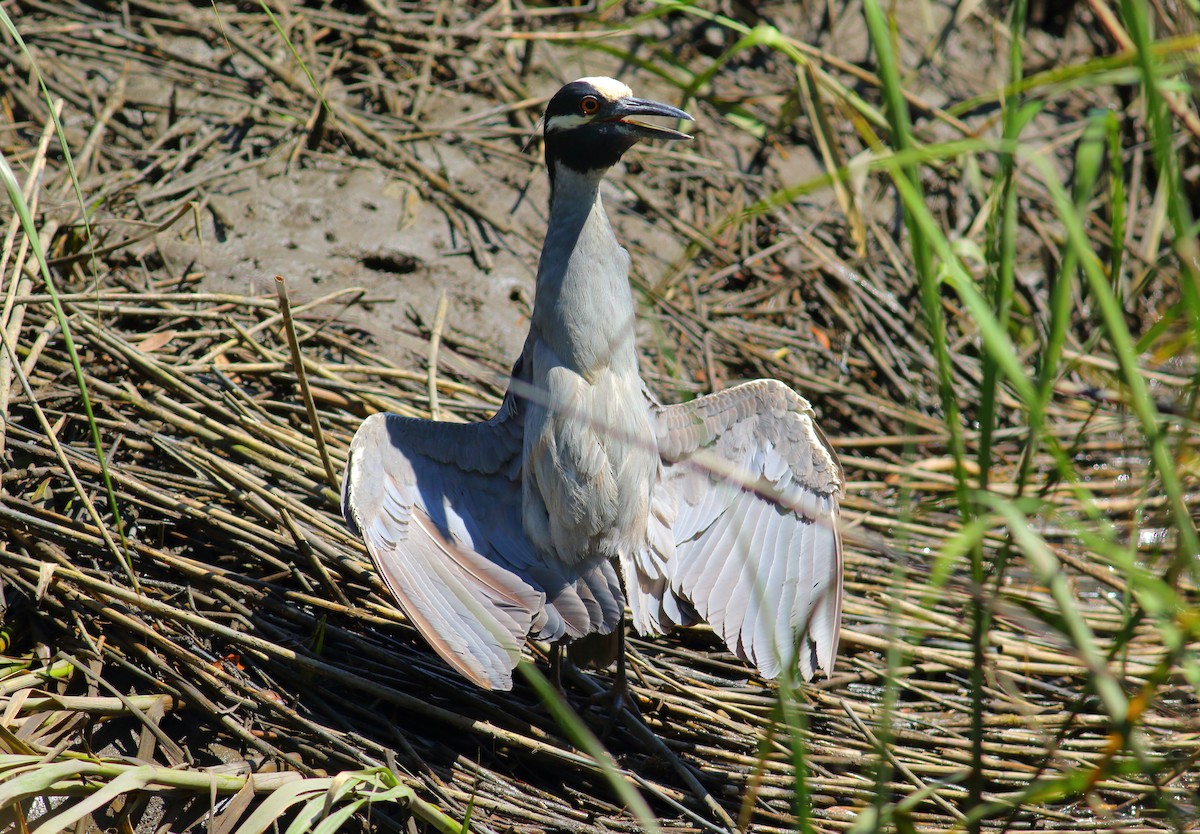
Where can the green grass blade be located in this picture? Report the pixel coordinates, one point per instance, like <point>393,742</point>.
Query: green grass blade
<point>1002,247</point>
<point>1046,568</point>
<point>312,82</point>
<point>585,740</point>
<point>37,778</point>
<point>132,779</point>
<point>907,180</point>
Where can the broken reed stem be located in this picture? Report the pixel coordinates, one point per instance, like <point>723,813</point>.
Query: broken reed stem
<point>289,327</point>
<point>435,343</point>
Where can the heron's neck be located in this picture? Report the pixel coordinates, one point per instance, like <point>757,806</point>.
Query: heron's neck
<point>583,307</point>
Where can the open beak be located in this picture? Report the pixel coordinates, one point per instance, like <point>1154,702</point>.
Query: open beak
<point>626,110</point>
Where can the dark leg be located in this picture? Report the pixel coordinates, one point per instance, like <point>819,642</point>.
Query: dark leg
<point>556,666</point>
<point>621,685</point>
<point>619,698</point>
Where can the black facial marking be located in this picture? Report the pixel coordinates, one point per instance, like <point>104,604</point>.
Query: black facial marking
<point>588,147</point>
<point>599,145</point>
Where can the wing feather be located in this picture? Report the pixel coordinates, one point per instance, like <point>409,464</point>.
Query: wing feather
<point>772,595</point>
<point>740,578</point>
<point>753,488</point>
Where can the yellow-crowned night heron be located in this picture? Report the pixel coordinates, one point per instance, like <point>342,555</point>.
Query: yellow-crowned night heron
<point>724,508</point>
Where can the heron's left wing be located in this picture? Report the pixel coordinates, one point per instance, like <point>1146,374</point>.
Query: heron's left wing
<point>438,506</point>
<point>744,528</point>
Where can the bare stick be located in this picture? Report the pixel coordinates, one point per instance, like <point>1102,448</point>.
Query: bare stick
<point>289,328</point>
<point>435,342</point>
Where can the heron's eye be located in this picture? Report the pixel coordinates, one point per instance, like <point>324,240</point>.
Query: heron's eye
<point>588,105</point>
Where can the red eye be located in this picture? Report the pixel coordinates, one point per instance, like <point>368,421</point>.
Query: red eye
<point>588,105</point>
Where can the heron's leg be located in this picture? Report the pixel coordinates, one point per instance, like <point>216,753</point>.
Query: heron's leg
<point>556,662</point>
<point>618,698</point>
<point>621,683</point>
<point>622,697</point>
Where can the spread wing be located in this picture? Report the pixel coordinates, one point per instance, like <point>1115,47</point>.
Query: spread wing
<point>439,508</point>
<point>744,528</point>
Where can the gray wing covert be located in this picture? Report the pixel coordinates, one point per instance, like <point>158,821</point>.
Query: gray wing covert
<point>439,508</point>
<point>745,528</point>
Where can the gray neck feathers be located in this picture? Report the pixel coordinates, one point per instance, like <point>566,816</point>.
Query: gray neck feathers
<point>583,308</point>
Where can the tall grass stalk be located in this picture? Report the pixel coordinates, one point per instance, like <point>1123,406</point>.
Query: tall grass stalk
<point>1002,240</point>
<point>930,289</point>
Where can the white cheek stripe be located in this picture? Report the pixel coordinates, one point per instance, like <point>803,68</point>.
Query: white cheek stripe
<point>565,122</point>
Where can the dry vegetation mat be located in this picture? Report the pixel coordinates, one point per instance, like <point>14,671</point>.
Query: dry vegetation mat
<point>994,309</point>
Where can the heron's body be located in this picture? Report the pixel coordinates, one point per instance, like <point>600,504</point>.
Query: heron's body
<point>590,460</point>
<point>723,508</point>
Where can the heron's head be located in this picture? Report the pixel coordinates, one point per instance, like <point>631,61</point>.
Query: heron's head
<point>591,122</point>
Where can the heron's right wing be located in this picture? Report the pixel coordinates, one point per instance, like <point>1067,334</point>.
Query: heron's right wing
<point>744,527</point>
<point>439,508</point>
